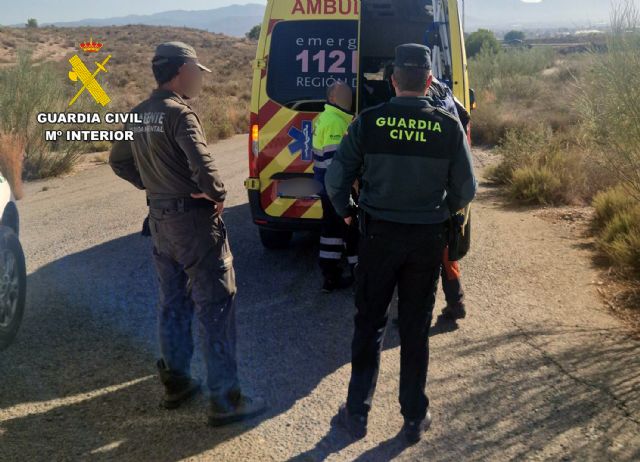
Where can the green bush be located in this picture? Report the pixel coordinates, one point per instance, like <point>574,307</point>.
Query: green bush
<point>482,40</point>
<point>514,35</point>
<point>254,33</point>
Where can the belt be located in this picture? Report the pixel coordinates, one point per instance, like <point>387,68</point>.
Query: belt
<point>182,204</point>
<point>366,221</point>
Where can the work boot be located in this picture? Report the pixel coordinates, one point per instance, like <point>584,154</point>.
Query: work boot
<point>454,311</point>
<point>178,388</point>
<point>234,408</point>
<point>413,429</point>
<point>337,283</point>
<point>355,424</point>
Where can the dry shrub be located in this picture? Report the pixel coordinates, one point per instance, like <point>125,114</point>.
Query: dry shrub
<point>536,185</point>
<point>540,166</point>
<point>609,203</point>
<point>610,101</point>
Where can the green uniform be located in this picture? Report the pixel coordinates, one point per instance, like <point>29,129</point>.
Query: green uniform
<point>415,168</point>
<point>415,163</point>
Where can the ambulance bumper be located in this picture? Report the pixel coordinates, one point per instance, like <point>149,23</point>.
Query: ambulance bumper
<point>261,219</point>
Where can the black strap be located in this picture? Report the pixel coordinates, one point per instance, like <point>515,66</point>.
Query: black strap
<point>178,205</point>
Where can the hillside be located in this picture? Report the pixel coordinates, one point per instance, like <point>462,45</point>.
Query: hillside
<point>235,20</point>
<point>225,100</point>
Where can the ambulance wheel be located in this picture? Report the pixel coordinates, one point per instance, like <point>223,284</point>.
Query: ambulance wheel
<point>13,286</point>
<point>275,239</point>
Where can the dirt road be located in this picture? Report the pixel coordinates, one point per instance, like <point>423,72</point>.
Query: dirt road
<point>540,370</point>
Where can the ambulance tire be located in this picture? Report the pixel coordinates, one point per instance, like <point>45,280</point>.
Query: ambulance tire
<point>275,239</point>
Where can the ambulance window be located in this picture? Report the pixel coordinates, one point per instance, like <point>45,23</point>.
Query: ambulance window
<point>308,56</point>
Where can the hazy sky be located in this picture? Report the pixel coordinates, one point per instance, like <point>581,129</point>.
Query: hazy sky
<point>17,12</point>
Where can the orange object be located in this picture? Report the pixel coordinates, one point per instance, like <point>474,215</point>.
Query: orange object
<point>452,268</point>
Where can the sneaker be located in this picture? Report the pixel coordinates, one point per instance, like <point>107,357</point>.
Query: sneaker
<point>242,408</point>
<point>355,424</point>
<point>413,429</point>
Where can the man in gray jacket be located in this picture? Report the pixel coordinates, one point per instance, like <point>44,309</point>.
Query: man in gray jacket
<point>416,170</point>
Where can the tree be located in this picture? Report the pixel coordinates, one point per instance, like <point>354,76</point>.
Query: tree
<point>514,35</point>
<point>254,33</point>
<point>32,23</point>
<point>481,39</point>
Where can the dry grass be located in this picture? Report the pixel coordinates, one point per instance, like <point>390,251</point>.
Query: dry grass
<point>11,160</point>
<point>522,89</point>
<point>617,226</point>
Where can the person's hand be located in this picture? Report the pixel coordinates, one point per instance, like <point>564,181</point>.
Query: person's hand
<point>219,205</point>
<point>348,220</point>
<point>219,208</point>
<point>201,195</point>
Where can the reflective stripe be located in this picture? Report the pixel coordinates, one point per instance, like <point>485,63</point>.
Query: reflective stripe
<point>324,155</point>
<point>322,163</point>
<point>352,260</point>
<point>331,241</point>
<point>330,148</point>
<point>330,255</point>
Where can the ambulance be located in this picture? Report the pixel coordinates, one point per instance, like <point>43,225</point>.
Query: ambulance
<point>305,46</point>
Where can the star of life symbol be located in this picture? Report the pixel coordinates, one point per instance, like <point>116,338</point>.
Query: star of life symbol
<point>302,141</point>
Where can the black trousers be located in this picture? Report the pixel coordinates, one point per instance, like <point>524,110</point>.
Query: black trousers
<point>409,257</point>
<point>336,240</point>
<point>194,264</point>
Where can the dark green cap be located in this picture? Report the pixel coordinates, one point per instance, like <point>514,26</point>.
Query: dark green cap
<point>413,55</point>
<point>171,50</point>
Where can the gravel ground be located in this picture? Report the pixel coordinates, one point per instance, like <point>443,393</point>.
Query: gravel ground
<point>539,370</point>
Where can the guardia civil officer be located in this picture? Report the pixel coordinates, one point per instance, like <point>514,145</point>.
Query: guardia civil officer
<point>169,159</point>
<point>416,171</point>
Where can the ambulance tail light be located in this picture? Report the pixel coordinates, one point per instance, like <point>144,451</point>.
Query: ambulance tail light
<point>254,147</point>
<point>473,102</point>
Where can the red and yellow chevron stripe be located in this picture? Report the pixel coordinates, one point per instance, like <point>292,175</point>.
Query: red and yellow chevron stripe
<point>275,121</point>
